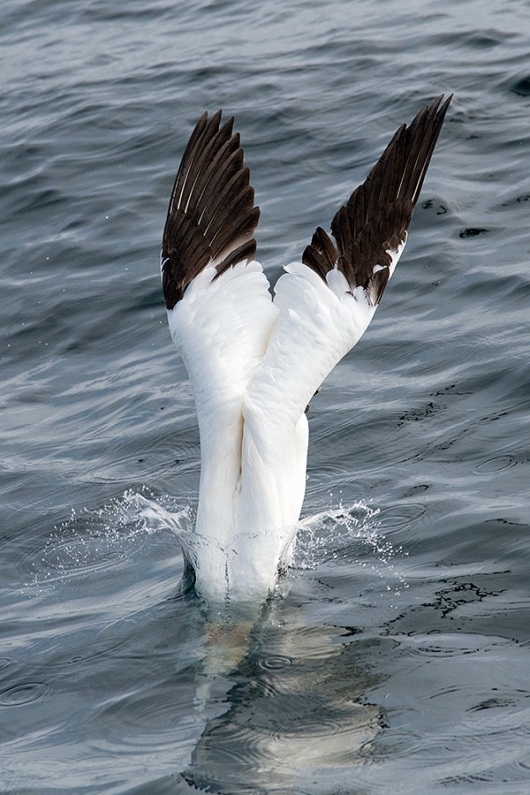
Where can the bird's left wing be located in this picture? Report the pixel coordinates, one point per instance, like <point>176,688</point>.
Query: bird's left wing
<point>220,310</point>
<point>219,306</point>
<point>211,215</point>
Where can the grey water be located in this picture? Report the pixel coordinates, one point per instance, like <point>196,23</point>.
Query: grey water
<point>395,656</point>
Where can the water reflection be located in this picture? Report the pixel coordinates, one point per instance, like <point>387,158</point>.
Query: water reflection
<point>294,703</point>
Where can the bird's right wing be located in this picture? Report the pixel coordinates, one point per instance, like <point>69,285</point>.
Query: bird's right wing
<point>327,301</point>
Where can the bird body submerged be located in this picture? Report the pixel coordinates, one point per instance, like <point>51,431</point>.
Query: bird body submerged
<point>255,362</point>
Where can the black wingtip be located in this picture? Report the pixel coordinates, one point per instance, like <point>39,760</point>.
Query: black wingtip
<point>373,224</point>
<point>211,213</point>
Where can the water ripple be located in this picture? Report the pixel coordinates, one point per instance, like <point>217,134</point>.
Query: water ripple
<point>496,464</point>
<point>22,694</point>
<point>427,689</point>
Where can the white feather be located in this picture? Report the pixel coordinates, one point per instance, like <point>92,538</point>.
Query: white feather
<point>395,255</point>
<point>254,364</point>
<point>221,329</point>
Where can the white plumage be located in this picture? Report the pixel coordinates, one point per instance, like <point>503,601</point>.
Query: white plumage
<point>255,362</point>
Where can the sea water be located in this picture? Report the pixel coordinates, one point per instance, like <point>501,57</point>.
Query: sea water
<point>394,657</point>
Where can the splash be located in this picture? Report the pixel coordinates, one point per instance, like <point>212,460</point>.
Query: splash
<point>108,538</point>
<point>352,532</point>
<point>105,538</point>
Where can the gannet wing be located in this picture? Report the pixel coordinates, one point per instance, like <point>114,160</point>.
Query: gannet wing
<point>220,310</point>
<point>327,301</point>
<point>211,215</point>
<point>370,231</point>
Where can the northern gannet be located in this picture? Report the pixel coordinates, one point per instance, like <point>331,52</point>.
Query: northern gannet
<point>254,362</point>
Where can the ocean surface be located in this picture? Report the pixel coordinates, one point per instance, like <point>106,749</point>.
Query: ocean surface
<point>395,657</point>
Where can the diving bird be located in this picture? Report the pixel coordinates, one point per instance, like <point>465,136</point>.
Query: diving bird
<point>254,361</point>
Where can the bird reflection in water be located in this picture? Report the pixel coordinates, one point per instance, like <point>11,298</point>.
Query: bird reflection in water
<point>292,701</point>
